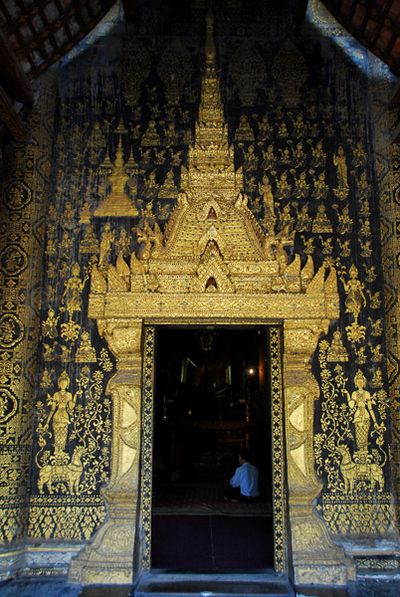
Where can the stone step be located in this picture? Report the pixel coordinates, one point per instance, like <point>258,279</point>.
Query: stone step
<point>213,585</point>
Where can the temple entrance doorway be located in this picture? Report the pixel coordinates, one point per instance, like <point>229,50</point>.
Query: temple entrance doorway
<point>212,400</point>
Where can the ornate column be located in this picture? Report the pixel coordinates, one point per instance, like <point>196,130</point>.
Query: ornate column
<point>109,559</point>
<point>315,558</point>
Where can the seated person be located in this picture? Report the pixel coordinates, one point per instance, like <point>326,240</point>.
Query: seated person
<point>244,483</point>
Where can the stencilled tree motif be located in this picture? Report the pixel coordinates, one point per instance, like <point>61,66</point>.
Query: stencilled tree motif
<point>74,434</point>
<point>349,451</point>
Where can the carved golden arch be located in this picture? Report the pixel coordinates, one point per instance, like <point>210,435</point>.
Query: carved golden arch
<point>120,317</point>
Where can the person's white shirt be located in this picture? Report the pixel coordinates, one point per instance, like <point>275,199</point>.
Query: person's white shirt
<point>246,478</point>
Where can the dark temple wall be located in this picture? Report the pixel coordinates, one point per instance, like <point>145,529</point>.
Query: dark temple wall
<point>300,120</point>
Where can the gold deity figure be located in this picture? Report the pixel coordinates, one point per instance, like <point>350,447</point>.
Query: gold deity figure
<point>168,189</point>
<point>151,137</point>
<point>268,162</point>
<point>361,406</point>
<point>268,198</point>
<point>107,238</point>
<point>339,160</point>
<point>250,160</point>
<point>62,404</point>
<point>318,157</point>
<point>303,220</point>
<point>355,297</point>
<point>320,187</point>
<point>337,351</point>
<point>49,326</point>
<point>345,224</point>
<point>72,295</point>
<point>86,353</point>
<point>244,132</point>
<point>299,157</point>
<point>284,188</point>
<point>301,186</point>
<point>321,223</point>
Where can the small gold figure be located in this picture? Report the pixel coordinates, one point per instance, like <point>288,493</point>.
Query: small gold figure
<point>284,189</point>
<point>377,381</point>
<point>282,131</point>
<point>268,162</point>
<point>168,189</point>
<point>89,242</point>
<point>265,129</point>
<point>268,200</point>
<point>49,326</point>
<point>285,158</point>
<point>345,248</point>
<point>320,187</point>
<point>376,327</point>
<point>303,221</point>
<point>301,187</point>
<point>152,186</point>
<point>326,248</point>
<point>371,274</point>
<point>123,244</point>
<point>339,160</point>
<point>151,137</point>
<point>286,222</point>
<point>318,156</point>
<point>308,245</point>
<point>365,228</point>
<point>107,238</point>
<point>250,160</point>
<point>345,223</point>
<point>337,351</point>
<point>72,295</point>
<point>375,300</point>
<point>366,248</point>
<point>376,353</point>
<point>361,358</point>
<point>48,352</point>
<point>355,297</point>
<point>299,127</point>
<point>65,353</point>
<point>321,223</point>
<point>86,353</point>
<point>299,157</point>
<point>364,187</point>
<point>244,132</point>
<point>45,382</point>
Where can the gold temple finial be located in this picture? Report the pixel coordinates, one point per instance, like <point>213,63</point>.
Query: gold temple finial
<point>210,46</point>
<point>117,203</point>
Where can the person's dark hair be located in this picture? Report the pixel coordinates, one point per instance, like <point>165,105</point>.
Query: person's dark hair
<point>246,455</point>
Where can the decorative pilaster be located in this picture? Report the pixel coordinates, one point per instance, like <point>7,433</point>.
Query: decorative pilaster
<point>315,558</point>
<point>109,559</point>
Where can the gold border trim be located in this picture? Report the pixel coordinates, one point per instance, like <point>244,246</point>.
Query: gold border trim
<point>279,494</point>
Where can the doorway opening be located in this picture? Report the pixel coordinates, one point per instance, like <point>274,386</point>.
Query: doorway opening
<point>211,401</point>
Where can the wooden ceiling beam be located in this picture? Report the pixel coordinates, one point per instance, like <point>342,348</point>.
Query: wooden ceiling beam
<point>12,75</point>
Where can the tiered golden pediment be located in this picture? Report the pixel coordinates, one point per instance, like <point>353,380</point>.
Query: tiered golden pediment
<point>212,242</point>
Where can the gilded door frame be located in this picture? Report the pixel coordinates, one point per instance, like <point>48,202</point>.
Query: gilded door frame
<point>108,557</point>
<point>278,455</point>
